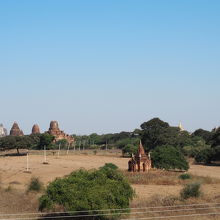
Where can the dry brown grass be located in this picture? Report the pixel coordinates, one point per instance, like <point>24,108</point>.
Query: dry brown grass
<point>163,183</point>
<point>14,201</point>
<point>162,177</point>
<point>154,177</point>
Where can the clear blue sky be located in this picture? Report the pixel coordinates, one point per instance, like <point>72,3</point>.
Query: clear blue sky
<point>107,66</point>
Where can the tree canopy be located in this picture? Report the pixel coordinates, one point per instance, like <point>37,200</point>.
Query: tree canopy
<point>34,141</point>
<point>15,142</point>
<point>206,135</point>
<point>157,133</point>
<point>168,157</point>
<point>87,191</point>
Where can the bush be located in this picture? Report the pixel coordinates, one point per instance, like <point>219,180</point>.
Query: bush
<point>169,157</point>
<point>190,190</point>
<point>35,185</point>
<point>185,176</point>
<point>88,191</point>
<point>109,166</point>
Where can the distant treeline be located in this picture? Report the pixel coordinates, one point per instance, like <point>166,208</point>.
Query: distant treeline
<point>203,145</point>
<point>107,141</point>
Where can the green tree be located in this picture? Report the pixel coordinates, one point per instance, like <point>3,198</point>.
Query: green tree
<point>205,155</point>
<point>15,142</point>
<point>87,191</point>
<point>45,140</point>
<point>129,149</point>
<point>215,145</point>
<point>206,135</point>
<point>169,157</point>
<point>122,143</point>
<point>216,155</point>
<point>215,139</point>
<point>35,140</point>
<point>136,132</point>
<point>210,154</point>
<point>157,133</point>
<point>63,143</point>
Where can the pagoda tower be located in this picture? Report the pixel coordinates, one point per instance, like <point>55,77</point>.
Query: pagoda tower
<point>181,127</point>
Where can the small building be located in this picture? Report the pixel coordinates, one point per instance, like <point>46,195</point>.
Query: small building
<point>140,161</point>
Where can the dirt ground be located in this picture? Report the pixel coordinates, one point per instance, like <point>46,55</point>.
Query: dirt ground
<point>12,171</point>
<point>12,168</point>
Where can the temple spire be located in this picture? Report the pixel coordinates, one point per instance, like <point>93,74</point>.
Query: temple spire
<point>141,150</point>
<point>181,127</point>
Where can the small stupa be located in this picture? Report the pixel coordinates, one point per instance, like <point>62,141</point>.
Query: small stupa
<point>181,127</point>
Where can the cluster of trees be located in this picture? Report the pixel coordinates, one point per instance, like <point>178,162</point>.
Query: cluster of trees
<point>127,141</point>
<point>212,150</point>
<point>158,133</point>
<point>109,141</point>
<point>34,141</point>
<point>162,139</point>
<point>203,145</point>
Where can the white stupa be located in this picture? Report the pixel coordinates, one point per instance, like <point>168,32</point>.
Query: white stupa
<point>181,127</point>
<point>3,131</point>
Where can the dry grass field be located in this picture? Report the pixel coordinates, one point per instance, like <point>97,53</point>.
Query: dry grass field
<point>12,168</point>
<point>158,190</point>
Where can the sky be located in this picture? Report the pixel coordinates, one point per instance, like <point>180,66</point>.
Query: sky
<point>108,66</point>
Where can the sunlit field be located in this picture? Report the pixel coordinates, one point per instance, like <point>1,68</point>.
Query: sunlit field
<point>155,188</point>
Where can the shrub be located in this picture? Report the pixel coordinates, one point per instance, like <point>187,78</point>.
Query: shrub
<point>88,191</point>
<point>109,166</point>
<point>190,190</point>
<point>35,185</point>
<point>169,157</point>
<point>185,176</point>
